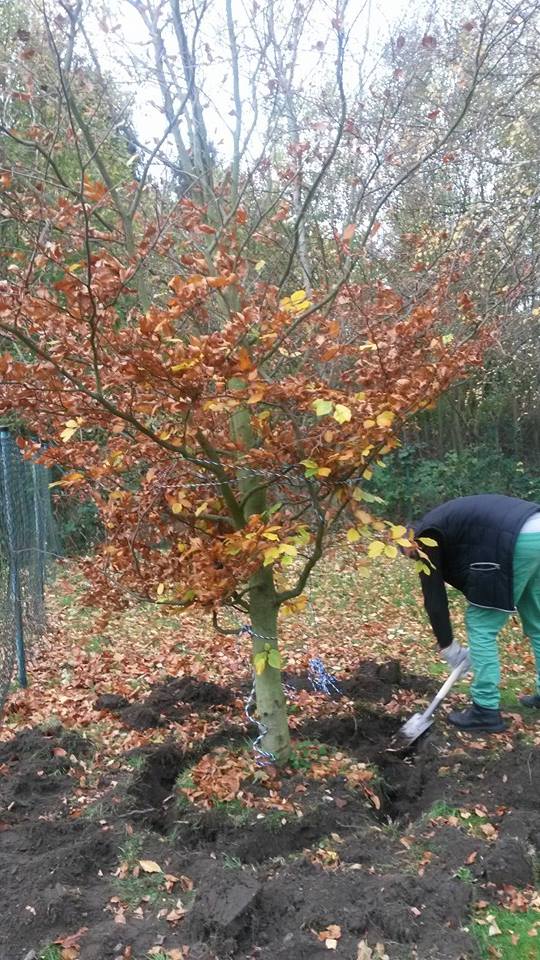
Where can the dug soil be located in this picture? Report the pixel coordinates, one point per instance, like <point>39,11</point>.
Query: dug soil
<point>144,869</point>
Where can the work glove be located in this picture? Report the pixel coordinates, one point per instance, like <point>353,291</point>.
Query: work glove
<point>456,656</point>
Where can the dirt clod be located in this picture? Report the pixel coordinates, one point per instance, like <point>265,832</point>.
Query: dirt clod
<point>509,863</point>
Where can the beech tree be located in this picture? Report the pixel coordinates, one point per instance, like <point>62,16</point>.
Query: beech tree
<point>217,362</point>
<point>225,433</point>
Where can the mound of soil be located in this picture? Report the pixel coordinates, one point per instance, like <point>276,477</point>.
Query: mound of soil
<point>46,858</point>
<point>35,771</point>
<point>170,700</point>
<point>266,885</point>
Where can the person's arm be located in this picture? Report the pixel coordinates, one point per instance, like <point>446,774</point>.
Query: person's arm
<point>436,598</point>
<point>436,604</point>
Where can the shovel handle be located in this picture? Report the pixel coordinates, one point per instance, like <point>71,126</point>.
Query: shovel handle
<point>446,687</point>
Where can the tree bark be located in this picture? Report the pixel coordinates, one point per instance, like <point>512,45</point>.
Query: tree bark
<point>263,610</point>
<point>271,705</point>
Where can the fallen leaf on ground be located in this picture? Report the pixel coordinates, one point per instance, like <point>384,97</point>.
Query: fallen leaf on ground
<point>150,866</point>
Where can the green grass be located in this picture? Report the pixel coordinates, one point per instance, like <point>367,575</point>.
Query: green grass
<point>231,863</point>
<point>440,809</point>
<point>97,643</point>
<point>51,952</point>
<point>94,811</point>
<point>464,874</point>
<point>136,762</point>
<point>130,850</point>
<point>234,809</point>
<point>131,890</point>
<point>513,926</point>
<point>273,820</point>
<point>305,752</point>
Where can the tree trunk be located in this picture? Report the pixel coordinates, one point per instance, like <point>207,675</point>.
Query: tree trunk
<point>271,705</point>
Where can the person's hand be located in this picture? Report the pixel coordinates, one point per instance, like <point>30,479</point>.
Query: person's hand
<point>456,656</point>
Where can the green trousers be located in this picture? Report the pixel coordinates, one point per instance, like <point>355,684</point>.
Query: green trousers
<point>484,625</point>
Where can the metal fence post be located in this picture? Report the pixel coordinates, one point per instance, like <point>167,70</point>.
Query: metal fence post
<point>39,533</point>
<point>11,533</point>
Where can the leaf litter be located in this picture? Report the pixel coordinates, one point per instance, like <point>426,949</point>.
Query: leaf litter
<point>338,802</point>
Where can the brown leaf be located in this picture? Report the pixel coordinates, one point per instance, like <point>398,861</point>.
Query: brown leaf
<point>72,939</point>
<point>150,866</point>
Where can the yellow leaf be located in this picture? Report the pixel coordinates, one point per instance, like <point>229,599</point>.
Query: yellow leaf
<point>364,573</point>
<point>376,548</point>
<point>391,551</point>
<point>296,605</point>
<point>270,556</point>
<point>398,532</point>
<point>288,549</point>
<point>386,418</point>
<point>322,407</point>
<point>428,541</point>
<point>403,542</point>
<point>150,866</point>
<point>259,265</point>
<point>298,296</point>
<point>71,427</point>
<point>367,474</point>
<point>259,662</point>
<point>353,536</point>
<point>161,589</point>
<point>177,507</point>
<point>324,472</point>
<point>69,480</point>
<point>342,413</point>
<point>268,535</point>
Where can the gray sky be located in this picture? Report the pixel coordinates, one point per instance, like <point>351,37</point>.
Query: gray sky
<point>369,20</point>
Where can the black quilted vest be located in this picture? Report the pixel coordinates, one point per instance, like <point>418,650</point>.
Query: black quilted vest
<point>477,538</point>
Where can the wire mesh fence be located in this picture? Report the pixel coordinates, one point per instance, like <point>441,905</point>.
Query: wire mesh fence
<point>27,544</point>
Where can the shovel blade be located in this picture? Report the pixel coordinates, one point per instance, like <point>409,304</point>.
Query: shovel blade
<point>415,727</point>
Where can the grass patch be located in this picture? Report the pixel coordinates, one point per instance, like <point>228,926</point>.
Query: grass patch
<point>131,889</point>
<point>94,811</point>
<point>52,952</point>
<point>231,863</point>
<point>274,820</point>
<point>440,809</point>
<point>234,809</point>
<point>305,752</point>
<point>135,762</point>
<point>97,643</point>
<point>514,941</point>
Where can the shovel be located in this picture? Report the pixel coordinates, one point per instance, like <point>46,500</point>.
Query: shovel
<point>420,722</point>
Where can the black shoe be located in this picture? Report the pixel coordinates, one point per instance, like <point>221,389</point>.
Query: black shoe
<point>479,719</point>
<point>532,700</point>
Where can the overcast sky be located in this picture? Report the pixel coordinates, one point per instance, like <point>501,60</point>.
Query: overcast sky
<point>369,20</point>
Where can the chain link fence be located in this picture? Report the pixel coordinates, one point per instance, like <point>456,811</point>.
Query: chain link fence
<point>27,544</point>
